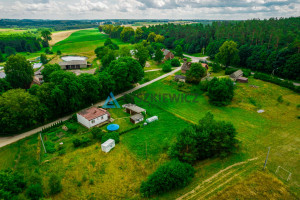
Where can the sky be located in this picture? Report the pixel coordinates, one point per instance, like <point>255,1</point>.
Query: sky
<point>148,9</point>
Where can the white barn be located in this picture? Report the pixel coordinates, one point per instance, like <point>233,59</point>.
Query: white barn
<point>108,145</point>
<point>93,116</point>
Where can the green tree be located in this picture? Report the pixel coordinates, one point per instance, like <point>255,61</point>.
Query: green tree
<point>171,175</point>
<point>18,110</point>
<point>19,71</point>
<point>44,59</point>
<point>151,37</point>
<point>141,53</point>
<point>126,34</point>
<point>124,51</point>
<point>206,139</point>
<point>9,51</point>
<point>107,59</point>
<point>220,91</point>
<point>107,84</point>
<point>48,69</point>
<point>228,54</point>
<point>196,72</point>
<point>97,133</point>
<point>125,71</point>
<point>138,34</point>
<point>46,36</point>
<point>2,59</point>
<point>55,184</point>
<point>178,51</point>
<point>11,184</point>
<point>167,67</point>
<point>159,38</point>
<point>4,86</point>
<point>91,88</point>
<point>159,55</point>
<point>175,62</point>
<point>111,135</point>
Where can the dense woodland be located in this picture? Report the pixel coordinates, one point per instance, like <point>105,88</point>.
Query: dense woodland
<point>56,25</point>
<point>27,42</point>
<point>270,46</point>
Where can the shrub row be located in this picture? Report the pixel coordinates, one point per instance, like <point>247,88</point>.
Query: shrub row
<point>277,81</point>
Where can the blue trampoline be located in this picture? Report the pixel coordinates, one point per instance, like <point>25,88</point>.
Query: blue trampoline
<point>113,127</point>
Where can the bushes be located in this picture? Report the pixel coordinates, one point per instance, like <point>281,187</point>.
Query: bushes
<point>166,67</point>
<point>50,147</point>
<point>35,192</point>
<point>229,71</point>
<point>171,175</point>
<point>216,67</point>
<point>11,184</point>
<point>220,91</point>
<point>246,72</point>
<point>111,135</point>
<point>195,74</point>
<point>72,128</point>
<point>84,141</point>
<point>55,184</point>
<point>207,139</point>
<point>175,62</point>
<point>97,133</point>
<point>275,80</point>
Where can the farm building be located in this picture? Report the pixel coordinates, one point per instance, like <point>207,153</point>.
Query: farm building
<point>185,66</point>
<point>180,78</point>
<point>242,80</point>
<point>2,75</point>
<point>74,64</point>
<point>133,109</point>
<point>93,116</point>
<point>205,65</point>
<point>237,74</point>
<point>168,55</point>
<point>108,145</point>
<point>137,118</point>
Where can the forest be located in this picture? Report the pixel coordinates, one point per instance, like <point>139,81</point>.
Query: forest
<point>271,46</point>
<point>26,42</point>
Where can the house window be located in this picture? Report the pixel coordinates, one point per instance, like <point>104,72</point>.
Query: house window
<point>101,117</point>
<point>93,121</point>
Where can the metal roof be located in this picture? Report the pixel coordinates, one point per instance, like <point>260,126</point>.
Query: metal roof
<point>73,62</point>
<point>136,117</point>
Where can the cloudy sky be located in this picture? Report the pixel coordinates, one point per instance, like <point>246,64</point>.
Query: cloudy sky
<point>148,9</point>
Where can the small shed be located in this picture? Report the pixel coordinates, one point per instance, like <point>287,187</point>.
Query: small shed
<point>237,74</point>
<point>137,118</point>
<point>152,119</point>
<point>180,78</point>
<point>242,80</point>
<point>205,65</point>
<point>133,109</point>
<point>108,145</point>
<point>185,66</point>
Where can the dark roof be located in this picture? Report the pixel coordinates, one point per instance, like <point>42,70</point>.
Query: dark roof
<point>179,77</point>
<point>92,113</point>
<point>136,117</point>
<point>73,62</point>
<point>186,66</point>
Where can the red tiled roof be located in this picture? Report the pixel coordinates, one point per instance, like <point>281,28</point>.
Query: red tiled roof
<point>93,113</point>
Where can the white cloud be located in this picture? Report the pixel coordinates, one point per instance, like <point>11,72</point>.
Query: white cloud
<point>87,5</point>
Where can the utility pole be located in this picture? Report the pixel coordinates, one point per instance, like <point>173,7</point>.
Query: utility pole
<point>266,158</point>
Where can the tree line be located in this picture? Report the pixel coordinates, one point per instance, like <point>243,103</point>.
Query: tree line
<point>271,46</point>
<point>62,92</point>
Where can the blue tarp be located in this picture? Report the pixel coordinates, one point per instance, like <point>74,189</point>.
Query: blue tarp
<point>113,127</point>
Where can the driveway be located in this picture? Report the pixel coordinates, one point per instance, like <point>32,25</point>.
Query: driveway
<point>11,139</point>
<point>197,59</point>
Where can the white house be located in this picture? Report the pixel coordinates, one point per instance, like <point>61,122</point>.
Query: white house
<point>108,145</point>
<point>93,116</point>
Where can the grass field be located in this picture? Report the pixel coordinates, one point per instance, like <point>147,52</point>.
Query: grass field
<point>275,128</point>
<point>9,31</point>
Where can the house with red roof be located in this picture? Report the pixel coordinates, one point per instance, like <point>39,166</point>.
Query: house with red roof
<point>93,116</point>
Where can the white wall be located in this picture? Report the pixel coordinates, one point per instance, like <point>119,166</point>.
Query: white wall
<point>89,124</point>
